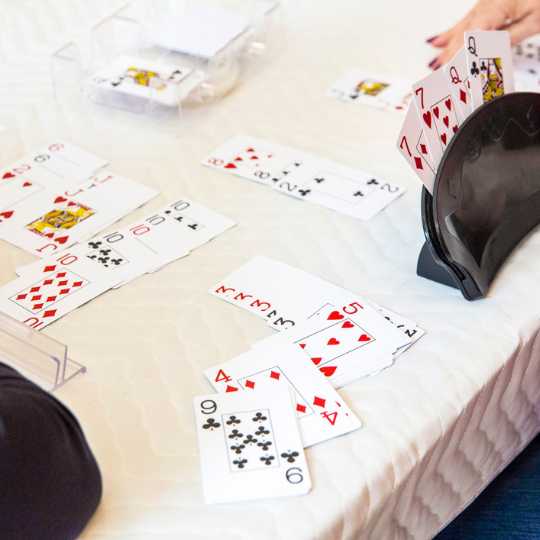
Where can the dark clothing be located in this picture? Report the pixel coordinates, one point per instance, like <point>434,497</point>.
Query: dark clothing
<point>50,483</point>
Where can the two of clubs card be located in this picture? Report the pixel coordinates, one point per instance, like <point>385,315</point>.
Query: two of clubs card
<point>51,287</point>
<point>373,89</point>
<point>305,176</point>
<point>345,336</point>
<point>480,71</point>
<point>55,198</point>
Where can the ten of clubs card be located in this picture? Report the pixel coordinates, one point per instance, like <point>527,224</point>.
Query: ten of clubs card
<point>250,446</point>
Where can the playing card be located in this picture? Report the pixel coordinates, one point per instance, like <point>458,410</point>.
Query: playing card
<point>54,289</point>
<point>51,220</point>
<point>256,159</point>
<point>340,340</point>
<point>489,59</point>
<point>203,31</point>
<point>163,83</point>
<point>437,112</point>
<point>338,187</point>
<point>457,73</point>
<point>321,412</point>
<point>373,89</point>
<point>527,51</point>
<point>250,446</point>
<point>413,146</point>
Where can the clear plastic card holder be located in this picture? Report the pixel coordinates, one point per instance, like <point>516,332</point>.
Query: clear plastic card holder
<point>38,357</point>
<point>68,73</point>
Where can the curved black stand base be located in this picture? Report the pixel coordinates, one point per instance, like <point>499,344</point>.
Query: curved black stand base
<point>429,268</point>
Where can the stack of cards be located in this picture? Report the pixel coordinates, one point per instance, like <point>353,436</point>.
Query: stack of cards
<point>374,89</point>
<point>480,72</point>
<point>163,83</point>
<point>52,199</point>
<point>48,289</point>
<point>344,335</point>
<point>305,176</point>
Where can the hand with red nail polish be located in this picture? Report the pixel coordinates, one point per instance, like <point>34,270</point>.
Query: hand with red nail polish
<point>521,18</point>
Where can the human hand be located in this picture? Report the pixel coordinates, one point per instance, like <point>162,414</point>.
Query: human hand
<point>521,18</point>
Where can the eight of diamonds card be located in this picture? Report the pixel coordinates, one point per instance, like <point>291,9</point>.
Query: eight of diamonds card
<point>489,58</point>
<point>250,446</point>
<point>321,412</point>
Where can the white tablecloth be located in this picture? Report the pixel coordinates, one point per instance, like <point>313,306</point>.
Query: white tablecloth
<point>438,425</point>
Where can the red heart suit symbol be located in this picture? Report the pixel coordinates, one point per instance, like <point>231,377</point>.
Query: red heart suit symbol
<point>454,129</point>
<point>26,184</point>
<point>364,337</point>
<point>328,371</point>
<point>443,138</point>
<point>230,166</point>
<point>62,240</point>
<point>333,341</point>
<point>303,345</point>
<point>335,316</point>
<point>427,119</point>
<point>436,111</point>
<point>59,200</point>
<point>8,175</point>
<point>50,235</point>
<point>446,121</point>
<point>250,150</point>
<point>316,360</point>
<point>448,104</point>
<point>347,324</point>
<point>6,215</point>
<point>238,159</point>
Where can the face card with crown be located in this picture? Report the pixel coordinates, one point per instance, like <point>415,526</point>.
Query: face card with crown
<point>457,73</point>
<point>255,159</point>
<point>53,289</point>
<point>321,413</point>
<point>413,146</point>
<point>250,446</point>
<point>489,60</point>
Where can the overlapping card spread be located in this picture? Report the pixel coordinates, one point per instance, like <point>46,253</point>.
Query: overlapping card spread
<point>526,59</point>
<point>305,176</point>
<point>481,71</point>
<point>343,334</point>
<point>373,89</point>
<point>53,203</point>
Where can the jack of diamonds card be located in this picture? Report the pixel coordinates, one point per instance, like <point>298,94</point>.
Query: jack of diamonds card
<point>321,412</point>
<point>250,446</point>
<point>413,146</point>
<point>255,159</point>
<point>437,112</point>
<point>53,289</point>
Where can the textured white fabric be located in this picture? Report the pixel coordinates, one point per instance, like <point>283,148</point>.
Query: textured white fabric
<point>438,426</point>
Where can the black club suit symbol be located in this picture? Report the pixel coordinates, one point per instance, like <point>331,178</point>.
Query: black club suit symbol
<point>262,431</point>
<point>304,192</point>
<point>233,420</point>
<point>474,70</point>
<point>94,245</point>
<point>290,456</point>
<point>235,434</point>
<point>267,460</point>
<point>104,251</point>
<point>103,260</point>
<point>265,445</point>
<point>250,439</point>
<point>211,424</point>
<point>259,417</point>
<point>483,67</point>
<point>237,448</point>
<point>116,262</point>
<point>240,463</point>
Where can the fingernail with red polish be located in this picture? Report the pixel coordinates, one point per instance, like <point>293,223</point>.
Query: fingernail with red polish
<point>432,63</point>
<point>431,39</point>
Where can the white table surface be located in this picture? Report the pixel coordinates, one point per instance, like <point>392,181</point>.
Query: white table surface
<point>438,425</point>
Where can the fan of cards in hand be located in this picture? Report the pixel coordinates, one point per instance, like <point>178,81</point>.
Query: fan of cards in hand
<point>480,72</point>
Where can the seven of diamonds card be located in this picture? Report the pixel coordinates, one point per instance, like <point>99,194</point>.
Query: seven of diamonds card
<point>250,446</point>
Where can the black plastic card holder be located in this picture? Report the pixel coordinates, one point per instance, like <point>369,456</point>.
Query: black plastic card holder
<point>486,196</point>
